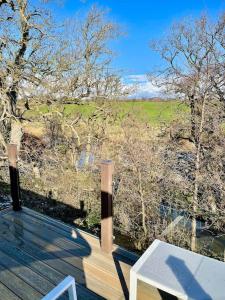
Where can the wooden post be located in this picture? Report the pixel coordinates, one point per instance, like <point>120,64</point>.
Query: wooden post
<point>106,206</point>
<point>14,177</point>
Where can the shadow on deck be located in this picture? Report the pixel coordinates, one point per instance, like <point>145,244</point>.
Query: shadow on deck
<point>37,252</point>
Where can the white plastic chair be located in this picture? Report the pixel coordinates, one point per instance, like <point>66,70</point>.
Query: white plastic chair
<point>67,284</point>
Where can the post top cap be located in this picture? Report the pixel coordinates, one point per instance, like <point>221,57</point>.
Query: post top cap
<point>106,162</point>
<point>11,145</point>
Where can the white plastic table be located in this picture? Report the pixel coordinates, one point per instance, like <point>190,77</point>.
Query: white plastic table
<point>179,272</point>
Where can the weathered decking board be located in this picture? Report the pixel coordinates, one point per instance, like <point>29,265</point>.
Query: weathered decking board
<point>37,252</point>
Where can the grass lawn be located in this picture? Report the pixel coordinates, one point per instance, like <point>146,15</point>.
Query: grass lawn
<point>153,112</point>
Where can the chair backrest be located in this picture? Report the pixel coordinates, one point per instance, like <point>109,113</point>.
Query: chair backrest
<point>67,284</point>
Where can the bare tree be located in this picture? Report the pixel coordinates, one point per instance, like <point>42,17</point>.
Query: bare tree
<point>195,60</point>
<point>90,74</point>
<point>26,60</point>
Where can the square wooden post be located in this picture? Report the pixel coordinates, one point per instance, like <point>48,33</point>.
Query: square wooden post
<point>106,206</point>
<point>14,177</point>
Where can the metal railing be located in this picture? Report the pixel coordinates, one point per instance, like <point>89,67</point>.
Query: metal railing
<point>67,284</point>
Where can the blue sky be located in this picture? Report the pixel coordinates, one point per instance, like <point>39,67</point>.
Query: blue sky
<point>143,20</point>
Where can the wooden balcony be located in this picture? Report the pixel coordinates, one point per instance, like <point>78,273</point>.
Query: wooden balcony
<point>37,252</point>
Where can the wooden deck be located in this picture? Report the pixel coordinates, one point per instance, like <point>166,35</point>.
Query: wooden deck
<point>37,252</point>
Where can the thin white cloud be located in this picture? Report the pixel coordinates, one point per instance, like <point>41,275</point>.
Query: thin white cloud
<point>137,78</point>
<point>143,87</point>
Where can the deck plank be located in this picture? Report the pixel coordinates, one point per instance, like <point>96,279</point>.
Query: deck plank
<point>120,261</point>
<point>62,260</point>
<point>68,243</point>
<point>17,285</point>
<point>63,228</point>
<point>5,293</point>
<point>40,268</point>
<point>82,246</point>
<point>72,232</point>
<point>39,283</point>
<point>37,252</point>
<point>26,259</point>
<point>68,251</point>
<point>50,260</point>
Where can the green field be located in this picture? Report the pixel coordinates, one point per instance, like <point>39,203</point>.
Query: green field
<point>153,112</point>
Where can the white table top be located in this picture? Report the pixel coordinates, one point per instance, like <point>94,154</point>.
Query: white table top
<point>182,273</point>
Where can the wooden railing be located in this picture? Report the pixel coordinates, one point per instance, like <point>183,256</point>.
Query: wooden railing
<point>106,206</point>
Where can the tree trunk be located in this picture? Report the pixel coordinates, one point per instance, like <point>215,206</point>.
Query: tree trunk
<point>16,134</point>
<point>142,204</point>
<point>197,175</point>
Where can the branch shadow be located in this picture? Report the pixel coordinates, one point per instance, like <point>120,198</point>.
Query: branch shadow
<point>187,280</point>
